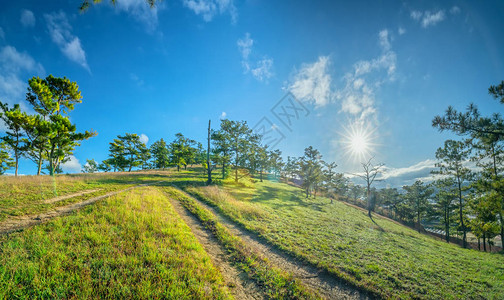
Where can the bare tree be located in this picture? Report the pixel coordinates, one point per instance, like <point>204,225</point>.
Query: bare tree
<point>369,175</point>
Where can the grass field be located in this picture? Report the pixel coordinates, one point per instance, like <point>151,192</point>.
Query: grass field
<point>276,283</point>
<point>385,258</point>
<point>133,245</point>
<point>24,195</point>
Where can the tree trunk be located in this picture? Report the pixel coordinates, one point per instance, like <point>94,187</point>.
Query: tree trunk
<point>39,163</point>
<point>51,162</point>
<point>447,224</point>
<point>236,173</point>
<point>418,219</point>
<point>223,170</point>
<point>17,164</point>
<point>464,238</point>
<point>209,167</point>
<point>236,164</point>
<point>501,228</point>
<point>484,242</point>
<point>261,175</point>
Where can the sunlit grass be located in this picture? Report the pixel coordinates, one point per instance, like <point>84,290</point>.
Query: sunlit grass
<point>25,195</point>
<point>132,246</point>
<point>276,283</point>
<point>385,258</point>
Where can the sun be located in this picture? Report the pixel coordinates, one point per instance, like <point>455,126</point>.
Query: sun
<point>359,144</point>
<point>358,141</point>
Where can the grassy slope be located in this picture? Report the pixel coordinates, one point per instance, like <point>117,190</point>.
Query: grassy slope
<point>385,258</point>
<point>133,245</point>
<point>276,283</point>
<point>24,195</point>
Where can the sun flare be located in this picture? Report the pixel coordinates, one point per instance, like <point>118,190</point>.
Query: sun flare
<point>359,144</point>
<point>358,141</point>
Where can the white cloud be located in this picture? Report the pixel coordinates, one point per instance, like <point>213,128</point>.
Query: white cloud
<point>384,40</point>
<point>13,61</point>
<point>72,165</point>
<point>416,15</point>
<point>312,83</point>
<point>141,11</point>
<point>261,69</point>
<point>208,9</point>
<point>137,79</point>
<point>419,170</point>
<point>245,45</point>
<point>144,138</point>
<point>15,64</point>
<point>455,10</point>
<point>401,30</point>
<point>223,115</point>
<point>398,177</point>
<point>428,18</point>
<point>61,34</point>
<point>27,18</point>
<point>358,95</point>
<point>431,19</point>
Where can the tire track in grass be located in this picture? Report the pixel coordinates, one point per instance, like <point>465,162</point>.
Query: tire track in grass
<point>317,279</point>
<point>61,198</point>
<point>238,282</point>
<point>274,282</point>
<point>20,223</point>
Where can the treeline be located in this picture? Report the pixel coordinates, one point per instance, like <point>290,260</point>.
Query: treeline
<point>47,137</point>
<point>467,194</point>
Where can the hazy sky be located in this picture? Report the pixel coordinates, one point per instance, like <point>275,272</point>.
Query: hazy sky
<point>381,68</point>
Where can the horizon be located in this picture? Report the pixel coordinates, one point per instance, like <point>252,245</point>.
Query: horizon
<point>376,71</point>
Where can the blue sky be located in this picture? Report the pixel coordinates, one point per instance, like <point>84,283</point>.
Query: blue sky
<point>381,67</point>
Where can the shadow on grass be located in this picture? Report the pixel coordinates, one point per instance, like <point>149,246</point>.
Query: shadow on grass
<point>287,199</point>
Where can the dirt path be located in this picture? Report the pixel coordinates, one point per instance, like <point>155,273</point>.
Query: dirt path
<point>22,222</point>
<point>61,198</point>
<point>238,282</point>
<point>326,284</point>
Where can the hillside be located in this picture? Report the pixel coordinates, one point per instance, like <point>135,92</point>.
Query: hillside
<point>383,257</point>
<point>138,241</point>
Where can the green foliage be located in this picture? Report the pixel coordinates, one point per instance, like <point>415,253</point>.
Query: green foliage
<point>160,154</point>
<point>486,136</point>
<point>443,203</point>
<point>13,119</point>
<point>497,91</point>
<point>86,4</point>
<point>53,98</point>
<point>6,161</point>
<point>417,198</point>
<point>105,166</point>
<point>221,151</point>
<point>291,167</point>
<point>127,152</point>
<point>183,151</point>
<point>451,163</point>
<point>91,166</point>
<point>310,170</point>
<point>239,140</point>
